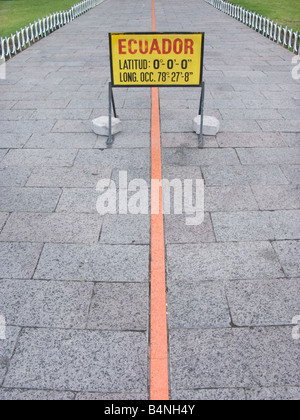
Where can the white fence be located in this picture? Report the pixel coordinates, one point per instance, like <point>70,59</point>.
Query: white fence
<point>39,29</point>
<point>265,26</point>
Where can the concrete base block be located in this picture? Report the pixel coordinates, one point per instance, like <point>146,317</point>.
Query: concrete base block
<point>100,126</point>
<point>211,125</point>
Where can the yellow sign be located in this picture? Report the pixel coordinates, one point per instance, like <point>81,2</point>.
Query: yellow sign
<point>156,59</point>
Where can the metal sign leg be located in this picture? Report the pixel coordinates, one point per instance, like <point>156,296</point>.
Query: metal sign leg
<point>111,107</point>
<point>201,112</point>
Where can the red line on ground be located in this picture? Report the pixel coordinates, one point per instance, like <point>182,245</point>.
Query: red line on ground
<point>159,373</point>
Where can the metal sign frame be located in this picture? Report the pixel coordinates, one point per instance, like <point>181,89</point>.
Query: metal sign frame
<point>112,84</point>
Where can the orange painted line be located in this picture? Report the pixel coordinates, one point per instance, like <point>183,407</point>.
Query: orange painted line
<point>153,16</point>
<point>159,372</point>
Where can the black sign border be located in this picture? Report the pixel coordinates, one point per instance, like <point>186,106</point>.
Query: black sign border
<point>201,64</point>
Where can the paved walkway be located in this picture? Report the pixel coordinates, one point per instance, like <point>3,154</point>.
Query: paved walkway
<point>75,285</point>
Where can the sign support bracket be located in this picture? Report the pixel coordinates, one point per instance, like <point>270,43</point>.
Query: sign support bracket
<point>201,113</point>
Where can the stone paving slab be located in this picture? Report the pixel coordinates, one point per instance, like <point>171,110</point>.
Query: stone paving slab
<point>250,140</point>
<point>39,158</point>
<point>12,140</point>
<point>14,177</point>
<point>2,154</point>
<point>286,224</point>
<point>239,126</point>
<point>71,126</point>
<point>198,305</point>
<point>81,177</point>
<point>18,260</point>
<point>3,218</point>
<point>257,303</point>
<point>126,140</point>
<point>16,115</point>
<point>52,227</point>
<point>177,230</point>
<point>187,139</point>
<point>6,349</point>
<point>222,261</point>
<point>62,140</point>
<point>288,126</point>
<point>253,114</point>
<point>289,256</point>
<point>27,126</point>
<point>171,172</point>
<point>230,198</point>
<point>119,177</point>
<point>117,306</point>
<point>292,139</point>
<point>125,396</point>
<point>54,104</point>
<point>277,197</point>
<point>78,200</point>
<point>257,226</point>
<point>125,114</point>
<point>271,156</point>
<point>80,360</point>
<point>234,358</point>
<point>273,394</point>
<point>230,394</point>
<point>117,158</point>
<point>45,304</point>
<point>34,395</point>
<point>292,172</point>
<point>131,229</point>
<point>188,157</point>
<point>29,199</point>
<point>7,104</point>
<point>215,175</point>
<point>127,263</point>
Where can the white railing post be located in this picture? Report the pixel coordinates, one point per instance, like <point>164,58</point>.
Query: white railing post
<point>260,25</point>
<point>8,52</point>
<point>290,32</point>
<point>275,32</point>
<point>268,28</point>
<point>285,32</point>
<point>271,30</point>
<point>27,41</point>
<point>31,32</point>
<point>14,49</point>
<point>19,47</point>
<point>253,20</point>
<point>279,34</point>
<point>264,26</point>
<point>295,49</point>
<point>2,56</point>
